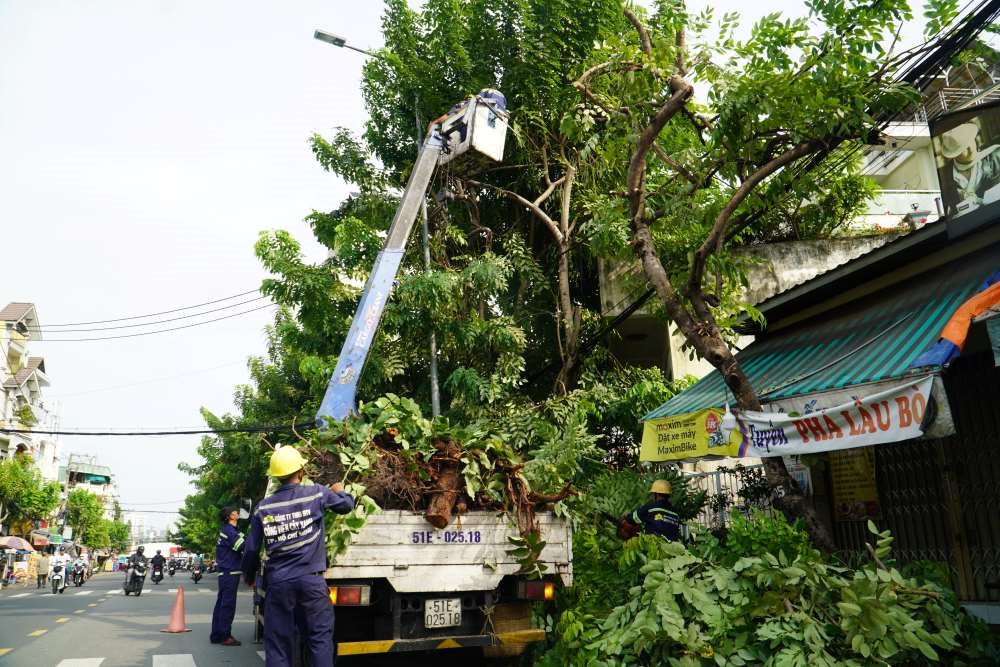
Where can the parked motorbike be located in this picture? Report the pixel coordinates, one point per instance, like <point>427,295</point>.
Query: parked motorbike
<point>157,575</point>
<point>196,573</point>
<point>135,577</point>
<point>58,579</point>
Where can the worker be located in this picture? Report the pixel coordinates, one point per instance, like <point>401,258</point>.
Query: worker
<point>229,556</point>
<point>657,517</point>
<point>289,526</point>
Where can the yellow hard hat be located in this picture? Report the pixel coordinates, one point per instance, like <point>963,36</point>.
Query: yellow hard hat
<point>661,486</point>
<point>285,461</point>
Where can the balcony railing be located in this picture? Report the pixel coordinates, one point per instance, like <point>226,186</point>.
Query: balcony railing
<point>895,209</point>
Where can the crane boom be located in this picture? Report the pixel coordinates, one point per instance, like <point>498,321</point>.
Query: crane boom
<point>479,124</point>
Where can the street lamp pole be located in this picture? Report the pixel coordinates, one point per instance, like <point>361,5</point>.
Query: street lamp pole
<point>337,40</point>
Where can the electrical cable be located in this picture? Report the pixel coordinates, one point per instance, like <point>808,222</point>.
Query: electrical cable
<point>162,312</point>
<point>195,431</point>
<point>46,330</point>
<point>159,331</point>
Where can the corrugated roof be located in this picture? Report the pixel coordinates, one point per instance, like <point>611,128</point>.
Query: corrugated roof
<point>15,311</point>
<point>874,338</point>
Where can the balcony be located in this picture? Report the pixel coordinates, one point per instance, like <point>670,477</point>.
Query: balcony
<point>899,209</point>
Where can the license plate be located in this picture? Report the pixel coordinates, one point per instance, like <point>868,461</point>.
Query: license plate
<point>442,613</point>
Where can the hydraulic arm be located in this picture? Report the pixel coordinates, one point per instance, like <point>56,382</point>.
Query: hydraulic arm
<point>471,130</point>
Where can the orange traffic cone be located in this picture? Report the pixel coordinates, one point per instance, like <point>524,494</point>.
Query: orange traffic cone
<point>177,614</point>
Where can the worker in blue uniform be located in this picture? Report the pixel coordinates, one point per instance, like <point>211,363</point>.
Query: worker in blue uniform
<point>229,559</point>
<point>289,526</point>
<point>657,517</point>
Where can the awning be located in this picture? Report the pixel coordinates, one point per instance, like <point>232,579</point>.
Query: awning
<point>868,340</point>
<point>40,538</point>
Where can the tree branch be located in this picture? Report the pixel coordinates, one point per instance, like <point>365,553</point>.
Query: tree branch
<point>681,169</point>
<point>533,207</point>
<point>718,233</point>
<point>644,41</point>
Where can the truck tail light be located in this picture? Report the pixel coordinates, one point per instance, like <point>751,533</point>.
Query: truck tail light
<point>350,595</point>
<point>536,590</point>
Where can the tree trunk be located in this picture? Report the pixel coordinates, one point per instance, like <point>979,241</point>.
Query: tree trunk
<point>443,500</point>
<point>569,325</point>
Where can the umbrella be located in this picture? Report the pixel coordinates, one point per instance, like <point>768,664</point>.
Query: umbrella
<point>14,542</point>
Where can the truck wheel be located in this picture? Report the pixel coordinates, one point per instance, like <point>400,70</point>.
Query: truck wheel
<point>508,616</point>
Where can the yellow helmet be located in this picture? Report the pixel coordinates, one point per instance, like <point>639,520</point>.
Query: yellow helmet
<point>284,461</point>
<point>661,486</point>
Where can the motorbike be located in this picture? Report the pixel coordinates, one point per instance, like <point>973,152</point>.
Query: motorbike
<point>79,576</point>
<point>135,577</point>
<point>157,574</point>
<point>58,579</point>
<point>171,570</point>
<point>196,573</point>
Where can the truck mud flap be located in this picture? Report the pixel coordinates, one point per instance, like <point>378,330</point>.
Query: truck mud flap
<point>439,643</point>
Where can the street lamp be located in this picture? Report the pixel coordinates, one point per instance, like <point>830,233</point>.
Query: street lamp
<point>341,42</point>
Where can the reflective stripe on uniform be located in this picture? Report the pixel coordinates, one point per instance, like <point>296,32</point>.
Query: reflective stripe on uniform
<point>238,543</point>
<point>293,501</point>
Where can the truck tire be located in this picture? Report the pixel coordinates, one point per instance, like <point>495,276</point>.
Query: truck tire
<point>508,616</point>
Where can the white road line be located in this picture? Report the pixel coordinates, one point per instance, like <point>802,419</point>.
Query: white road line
<point>82,593</point>
<point>175,660</point>
<point>261,655</point>
<point>172,590</point>
<point>19,595</point>
<point>81,662</point>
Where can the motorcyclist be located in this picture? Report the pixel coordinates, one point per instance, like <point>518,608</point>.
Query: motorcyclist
<point>80,566</point>
<point>138,557</point>
<point>61,559</point>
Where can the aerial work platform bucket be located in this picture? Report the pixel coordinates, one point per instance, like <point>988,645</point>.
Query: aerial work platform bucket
<point>475,131</point>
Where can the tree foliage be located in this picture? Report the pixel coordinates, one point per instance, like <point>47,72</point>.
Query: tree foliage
<point>85,514</point>
<point>24,495</point>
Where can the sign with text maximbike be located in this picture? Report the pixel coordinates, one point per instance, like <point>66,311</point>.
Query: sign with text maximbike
<point>892,415</point>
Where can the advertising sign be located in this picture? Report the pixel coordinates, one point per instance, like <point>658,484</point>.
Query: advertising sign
<point>688,436</point>
<point>892,415</point>
<point>967,149</point>
<point>855,493</point>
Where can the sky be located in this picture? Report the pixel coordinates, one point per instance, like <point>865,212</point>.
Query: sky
<point>143,147</point>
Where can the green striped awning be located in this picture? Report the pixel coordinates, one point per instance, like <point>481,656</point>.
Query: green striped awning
<point>871,339</point>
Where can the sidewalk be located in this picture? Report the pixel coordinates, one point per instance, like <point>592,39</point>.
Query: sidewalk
<point>19,590</point>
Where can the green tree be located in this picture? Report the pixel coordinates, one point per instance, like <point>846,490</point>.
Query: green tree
<point>119,535</point>
<point>85,513</point>
<point>24,495</point>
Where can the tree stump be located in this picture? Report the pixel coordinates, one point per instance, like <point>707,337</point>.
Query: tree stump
<point>447,463</point>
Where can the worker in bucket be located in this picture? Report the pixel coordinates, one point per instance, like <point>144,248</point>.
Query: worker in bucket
<point>657,517</point>
<point>289,526</point>
<point>229,556</point>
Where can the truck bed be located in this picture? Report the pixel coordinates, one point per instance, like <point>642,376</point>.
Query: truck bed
<point>469,555</point>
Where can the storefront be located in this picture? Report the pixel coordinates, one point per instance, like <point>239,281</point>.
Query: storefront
<point>842,373</point>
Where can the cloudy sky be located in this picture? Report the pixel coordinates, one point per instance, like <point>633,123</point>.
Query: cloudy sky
<point>144,145</point>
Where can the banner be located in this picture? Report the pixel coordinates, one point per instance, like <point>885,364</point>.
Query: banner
<point>891,415</point>
<point>688,436</point>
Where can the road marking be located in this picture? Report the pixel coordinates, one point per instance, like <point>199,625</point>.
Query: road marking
<point>38,633</point>
<point>103,600</point>
<point>174,660</point>
<point>82,593</point>
<point>172,590</point>
<point>79,611</point>
<point>260,654</point>
<point>81,662</point>
<point>62,620</point>
<point>5,651</point>
<point>19,595</point>
<point>92,604</point>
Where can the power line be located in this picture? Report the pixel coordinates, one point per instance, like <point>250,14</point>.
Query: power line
<point>144,382</point>
<point>148,324</point>
<point>162,312</point>
<point>158,331</point>
<point>199,431</point>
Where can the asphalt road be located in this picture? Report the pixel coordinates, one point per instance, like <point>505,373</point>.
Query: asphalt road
<point>96,626</point>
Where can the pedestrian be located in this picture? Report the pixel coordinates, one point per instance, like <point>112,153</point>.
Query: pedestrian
<point>43,571</point>
<point>657,517</point>
<point>229,555</point>
<point>289,526</point>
